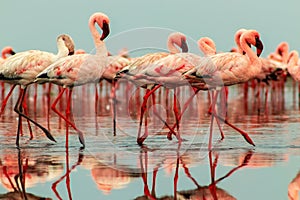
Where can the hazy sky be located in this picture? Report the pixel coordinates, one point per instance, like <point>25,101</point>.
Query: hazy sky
<point>34,24</point>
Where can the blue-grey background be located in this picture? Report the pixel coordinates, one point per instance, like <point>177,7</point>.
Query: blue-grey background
<point>35,24</point>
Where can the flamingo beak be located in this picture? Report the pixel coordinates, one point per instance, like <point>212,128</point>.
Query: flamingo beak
<point>105,29</point>
<point>184,46</point>
<point>259,46</point>
<point>12,52</point>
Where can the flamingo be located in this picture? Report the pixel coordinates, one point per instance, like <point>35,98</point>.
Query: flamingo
<point>225,69</point>
<point>8,50</point>
<point>79,69</point>
<point>281,53</point>
<point>22,68</point>
<point>293,66</point>
<point>135,72</point>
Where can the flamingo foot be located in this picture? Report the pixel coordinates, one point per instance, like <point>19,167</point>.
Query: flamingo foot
<point>169,136</point>
<point>81,138</point>
<point>141,140</point>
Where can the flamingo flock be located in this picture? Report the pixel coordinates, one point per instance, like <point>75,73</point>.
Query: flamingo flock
<point>215,73</point>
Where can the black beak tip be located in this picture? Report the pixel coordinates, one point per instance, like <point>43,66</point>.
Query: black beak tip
<point>184,46</point>
<point>105,30</point>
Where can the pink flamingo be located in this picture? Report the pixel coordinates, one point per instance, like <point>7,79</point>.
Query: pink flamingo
<point>293,66</point>
<point>22,68</point>
<point>136,71</point>
<point>79,69</point>
<point>281,53</point>
<point>207,46</point>
<point>225,69</point>
<point>5,51</point>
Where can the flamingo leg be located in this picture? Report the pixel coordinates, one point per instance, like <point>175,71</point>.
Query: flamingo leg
<point>2,89</point>
<point>140,139</point>
<point>114,109</point>
<point>243,133</point>
<point>53,107</point>
<point>4,102</point>
<point>185,106</point>
<point>96,98</point>
<point>35,97</point>
<point>28,123</point>
<point>18,109</point>
<point>176,177</point>
<point>175,110</point>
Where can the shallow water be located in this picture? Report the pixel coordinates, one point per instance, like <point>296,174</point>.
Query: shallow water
<point>117,168</point>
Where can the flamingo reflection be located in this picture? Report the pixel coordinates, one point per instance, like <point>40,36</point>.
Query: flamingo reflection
<point>294,188</point>
<point>210,191</point>
<point>20,172</point>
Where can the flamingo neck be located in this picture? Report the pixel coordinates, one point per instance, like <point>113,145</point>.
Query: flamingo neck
<point>238,44</point>
<point>250,54</point>
<point>3,55</point>
<point>207,49</point>
<point>63,50</point>
<point>172,48</point>
<point>285,55</point>
<point>293,60</point>
<point>99,44</point>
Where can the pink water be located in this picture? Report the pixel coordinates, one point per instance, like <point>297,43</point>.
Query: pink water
<point>117,168</point>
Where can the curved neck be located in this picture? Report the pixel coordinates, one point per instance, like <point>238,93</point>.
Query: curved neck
<point>172,48</point>
<point>63,51</point>
<point>293,60</point>
<point>292,65</point>
<point>3,54</point>
<point>238,44</point>
<point>251,55</point>
<point>208,48</point>
<point>99,44</point>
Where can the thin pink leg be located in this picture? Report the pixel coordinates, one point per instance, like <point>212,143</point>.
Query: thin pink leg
<point>2,89</point>
<point>185,106</point>
<point>19,109</point>
<point>53,107</point>
<point>35,97</point>
<point>175,110</point>
<point>4,102</point>
<point>96,98</point>
<point>140,139</point>
<point>243,133</point>
<point>114,108</point>
<point>28,123</point>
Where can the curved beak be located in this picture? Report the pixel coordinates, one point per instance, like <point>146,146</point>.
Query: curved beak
<point>184,46</point>
<point>259,46</point>
<point>12,52</point>
<point>105,30</point>
<point>71,53</point>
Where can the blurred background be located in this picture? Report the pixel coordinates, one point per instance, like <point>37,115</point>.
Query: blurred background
<point>35,24</point>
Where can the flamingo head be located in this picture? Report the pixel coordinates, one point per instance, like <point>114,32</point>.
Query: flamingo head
<point>282,47</point>
<point>179,39</point>
<point>7,50</point>
<point>103,22</point>
<point>252,37</point>
<point>69,43</point>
